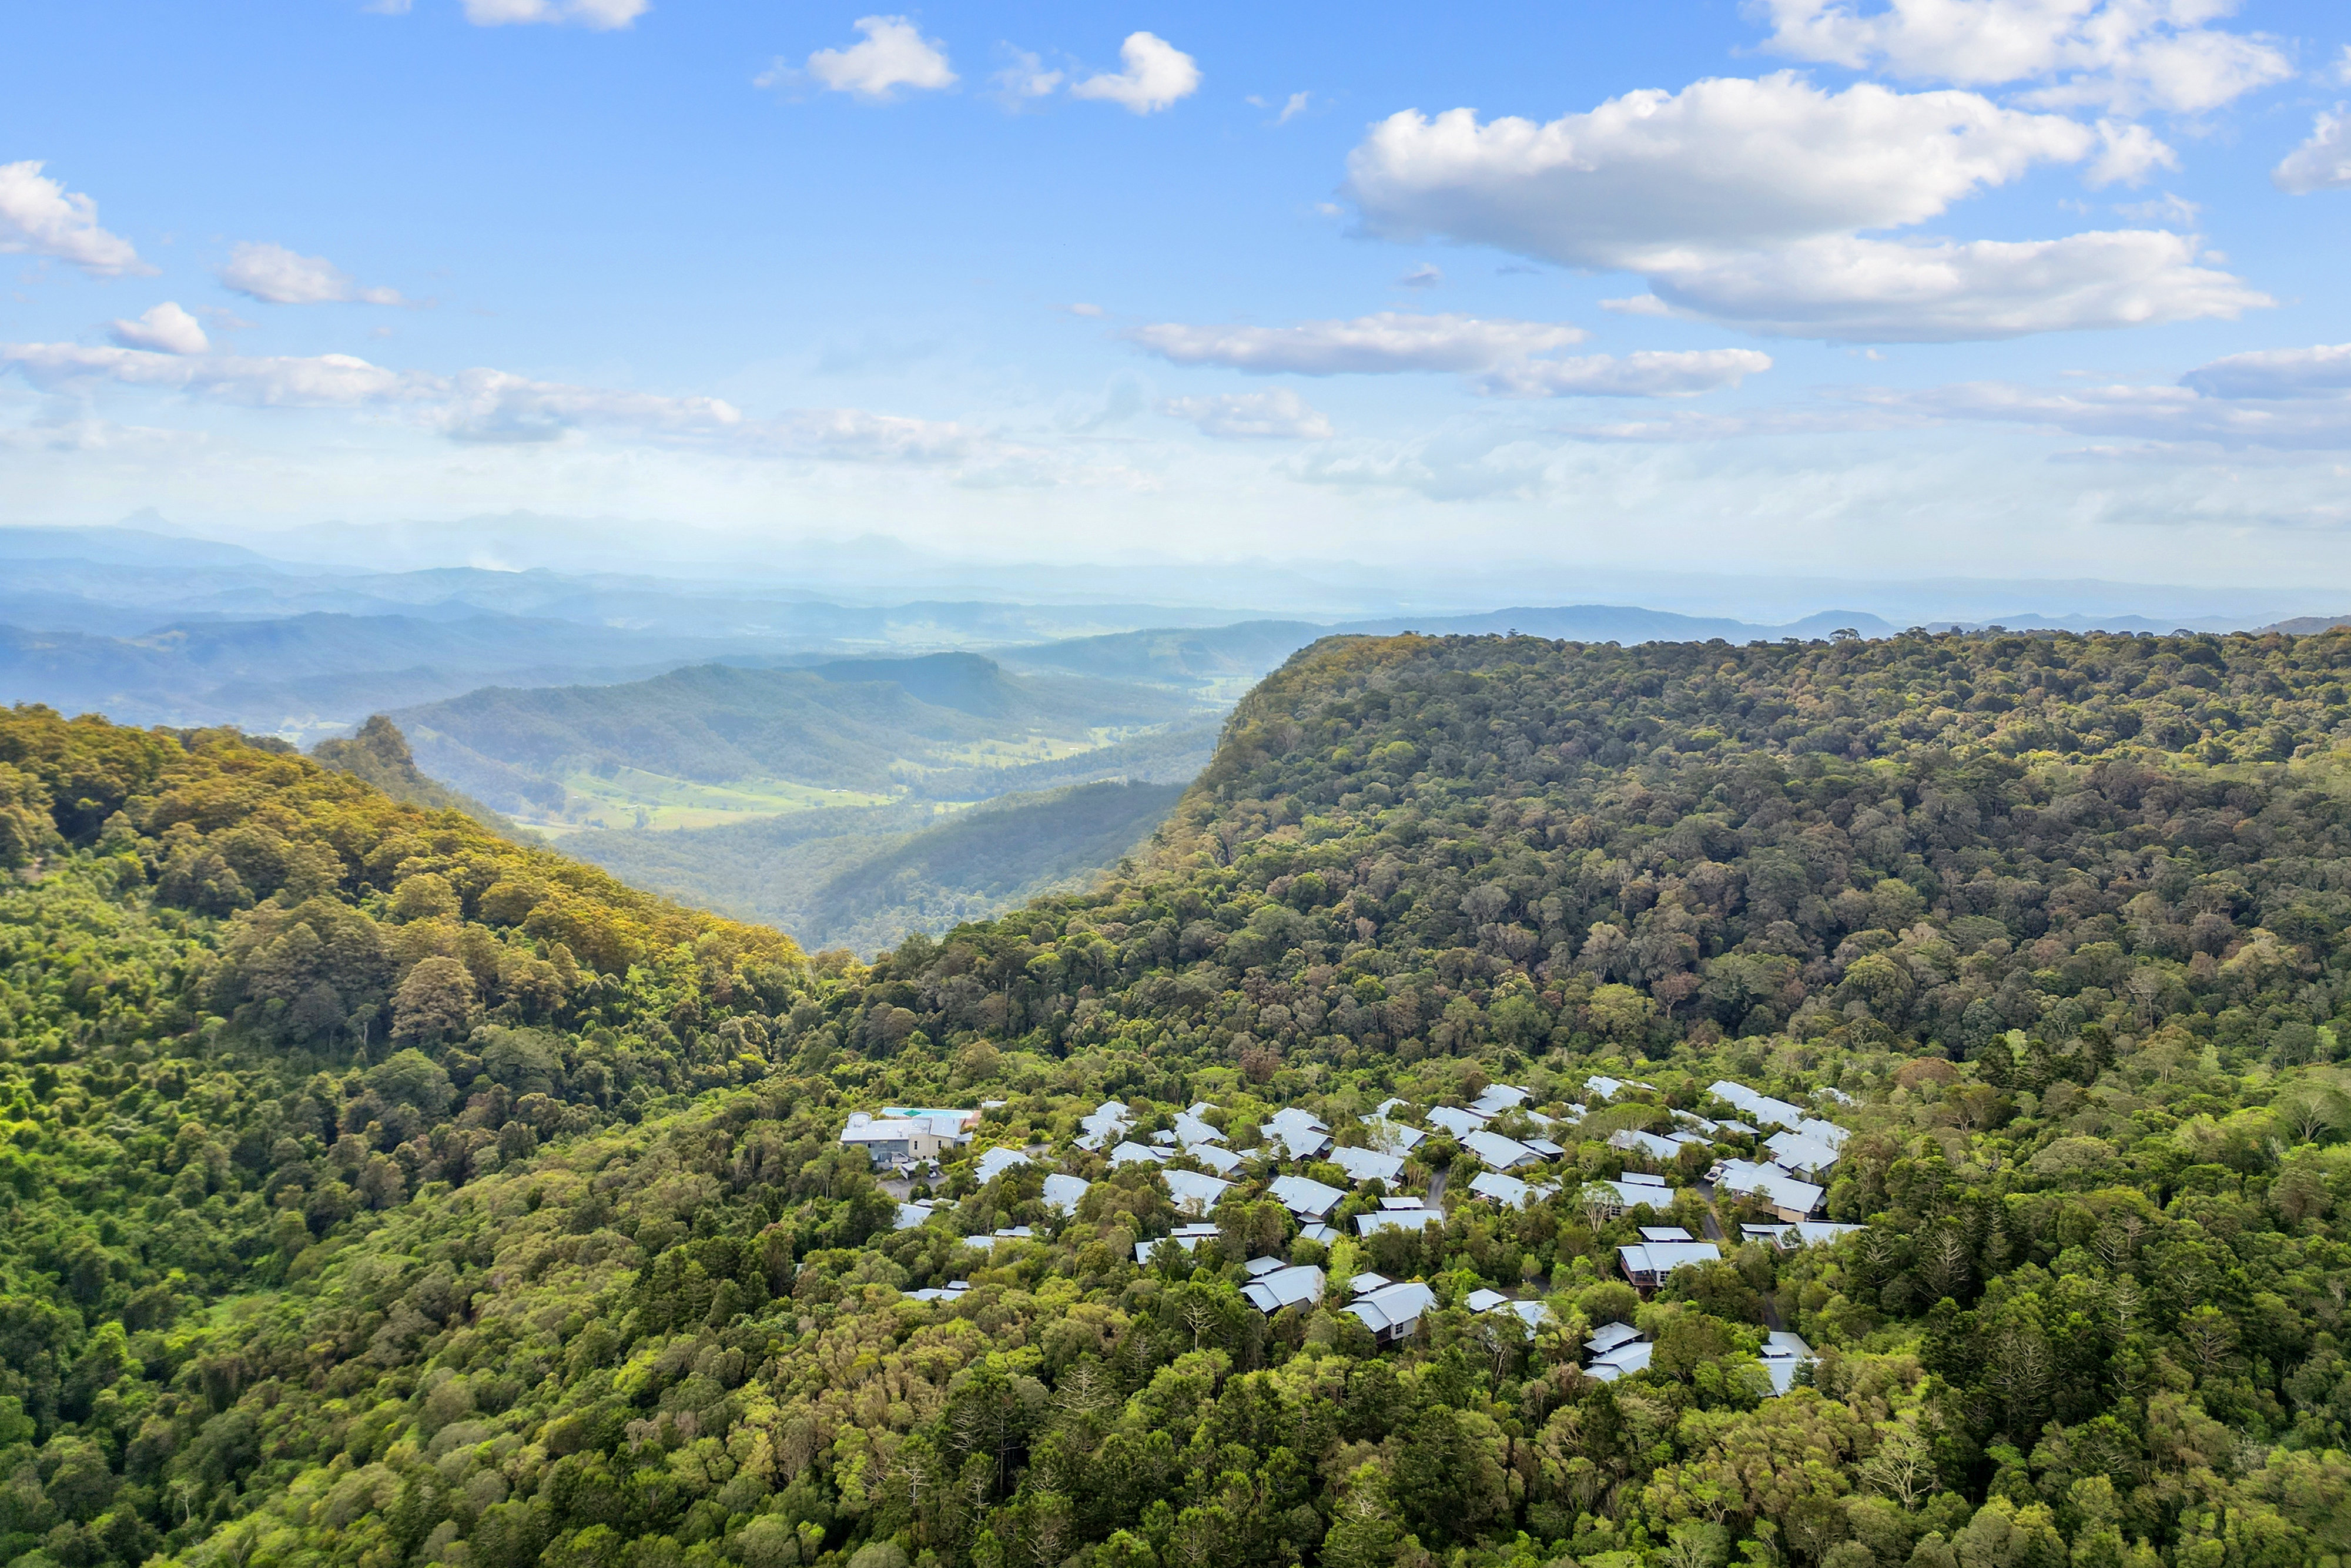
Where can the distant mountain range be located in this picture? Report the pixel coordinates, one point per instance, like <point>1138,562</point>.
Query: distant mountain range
<point>864,879</point>
<point>150,625</point>
<point>874,726</point>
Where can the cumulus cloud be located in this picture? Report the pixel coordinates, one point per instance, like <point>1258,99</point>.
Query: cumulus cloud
<point>165,330</point>
<point>1646,373</point>
<point>38,216</point>
<point>599,15</point>
<point>1880,291</point>
<point>1388,342</point>
<point>2321,163</point>
<point>276,275</point>
<point>2127,154</point>
<point>2122,54</point>
<point>1721,165</point>
<point>490,405</point>
<point>893,55</point>
<point>1157,73</point>
<point>1280,415</point>
<point>1747,201</point>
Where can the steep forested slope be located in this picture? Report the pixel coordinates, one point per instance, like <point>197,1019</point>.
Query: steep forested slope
<point>2065,918</point>
<point>379,753</point>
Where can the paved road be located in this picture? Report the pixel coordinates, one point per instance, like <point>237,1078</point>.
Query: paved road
<point>1436,1184</point>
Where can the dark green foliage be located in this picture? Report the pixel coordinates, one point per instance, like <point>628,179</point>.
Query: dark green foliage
<point>2064,916</point>
<point>379,753</point>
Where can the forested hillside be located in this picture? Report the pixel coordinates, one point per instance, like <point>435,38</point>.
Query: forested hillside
<point>866,880</point>
<point>383,1193</point>
<point>379,753</point>
<point>869,726</point>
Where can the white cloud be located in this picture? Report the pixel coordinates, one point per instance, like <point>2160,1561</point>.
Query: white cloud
<point>166,328</point>
<point>1881,291</point>
<point>1157,73</point>
<point>2274,374</point>
<point>1280,415</point>
<point>1637,305</point>
<point>1388,342</point>
<point>600,16</point>
<point>1746,200</point>
<point>1646,373</point>
<point>1297,105</point>
<point>2321,163</point>
<point>1025,80</point>
<point>2127,154</point>
<point>1724,165</point>
<point>1425,275</point>
<point>38,216</point>
<point>2280,400</point>
<point>893,55</point>
<point>492,405</point>
<point>2122,54</point>
<point>276,275</point>
<point>1081,308</point>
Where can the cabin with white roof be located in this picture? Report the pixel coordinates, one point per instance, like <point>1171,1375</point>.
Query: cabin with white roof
<point>1299,1135</point>
<point>1367,1165</point>
<point>1300,1285</point>
<point>1787,1197</point>
<point>1647,1263</point>
<point>1304,1196</point>
<point>1393,1312</point>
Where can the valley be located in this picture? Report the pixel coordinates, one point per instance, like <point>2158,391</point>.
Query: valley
<point>1879,1101</point>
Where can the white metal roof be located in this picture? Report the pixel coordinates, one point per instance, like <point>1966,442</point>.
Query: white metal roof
<point>1295,1286</point>
<point>1393,1306</point>
<point>1456,1121</point>
<point>1662,1258</point>
<point>1304,1196</point>
<point>1367,1165</point>
<point>1800,1154</point>
<point>1770,1183</point>
<point>1063,1192</point>
<point>1624,1360</point>
<point>1498,1098</point>
<point>1508,1191</point>
<point>1130,1153</point>
<point>1502,1153</point>
<point>1625,1138</point>
<point>1192,1192</point>
<point>1633,1193</point>
<point>996,1161</point>
<point>1608,1336</point>
<point>1224,1162</point>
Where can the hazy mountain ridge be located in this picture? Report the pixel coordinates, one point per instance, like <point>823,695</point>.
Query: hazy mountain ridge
<point>866,880</point>
<point>859,726</point>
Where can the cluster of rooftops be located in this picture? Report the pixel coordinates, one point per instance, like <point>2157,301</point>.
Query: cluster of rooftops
<point>1787,1178</point>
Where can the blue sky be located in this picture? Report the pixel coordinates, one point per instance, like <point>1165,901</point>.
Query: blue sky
<point>1949,285</point>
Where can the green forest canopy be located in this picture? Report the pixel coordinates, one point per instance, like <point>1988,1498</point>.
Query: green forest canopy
<point>384,1193</point>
